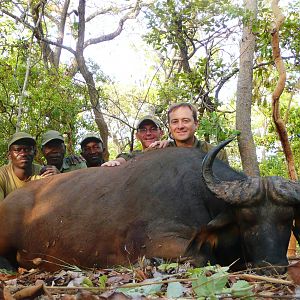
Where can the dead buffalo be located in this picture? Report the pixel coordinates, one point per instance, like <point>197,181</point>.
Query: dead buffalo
<point>157,205</point>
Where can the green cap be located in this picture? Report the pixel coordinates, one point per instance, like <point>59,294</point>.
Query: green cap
<point>18,136</point>
<point>148,118</point>
<point>51,135</point>
<point>91,137</point>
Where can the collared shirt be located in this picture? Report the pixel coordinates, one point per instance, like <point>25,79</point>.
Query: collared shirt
<point>67,166</point>
<point>205,147</point>
<point>10,182</point>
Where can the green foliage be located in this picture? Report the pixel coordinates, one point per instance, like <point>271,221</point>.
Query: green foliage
<point>274,165</point>
<point>102,281</point>
<point>52,101</point>
<point>167,267</point>
<point>215,126</point>
<point>86,282</point>
<point>215,285</point>
<point>144,290</point>
<point>174,290</point>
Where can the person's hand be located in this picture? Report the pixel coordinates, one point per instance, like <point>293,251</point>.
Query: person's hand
<point>47,171</point>
<point>114,163</point>
<point>159,144</point>
<point>75,159</point>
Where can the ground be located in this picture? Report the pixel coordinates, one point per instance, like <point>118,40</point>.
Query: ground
<point>149,280</point>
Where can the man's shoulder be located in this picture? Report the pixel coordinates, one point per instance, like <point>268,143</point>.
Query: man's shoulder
<point>5,170</point>
<point>206,147</point>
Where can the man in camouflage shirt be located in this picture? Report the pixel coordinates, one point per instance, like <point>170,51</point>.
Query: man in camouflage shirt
<point>148,131</point>
<point>54,150</point>
<point>183,123</point>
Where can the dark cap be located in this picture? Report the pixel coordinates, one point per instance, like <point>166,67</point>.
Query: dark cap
<point>91,137</point>
<point>21,136</point>
<point>148,118</point>
<point>51,135</point>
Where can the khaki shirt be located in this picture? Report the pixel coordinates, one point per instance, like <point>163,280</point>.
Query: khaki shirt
<point>205,147</point>
<point>68,167</point>
<point>10,182</point>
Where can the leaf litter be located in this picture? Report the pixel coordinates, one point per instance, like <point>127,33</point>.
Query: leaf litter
<point>147,280</point>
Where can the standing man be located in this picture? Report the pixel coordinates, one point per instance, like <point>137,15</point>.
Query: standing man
<point>92,150</point>
<point>148,131</point>
<point>21,169</point>
<point>54,150</point>
<point>183,123</point>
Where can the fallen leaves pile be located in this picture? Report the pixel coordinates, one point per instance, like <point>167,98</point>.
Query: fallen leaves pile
<point>149,281</point>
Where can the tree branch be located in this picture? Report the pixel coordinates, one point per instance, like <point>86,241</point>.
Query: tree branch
<point>107,37</point>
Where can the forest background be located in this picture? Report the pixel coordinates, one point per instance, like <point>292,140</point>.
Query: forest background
<point>78,66</point>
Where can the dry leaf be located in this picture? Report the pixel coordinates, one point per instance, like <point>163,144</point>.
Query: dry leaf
<point>37,261</point>
<point>4,293</point>
<point>294,272</point>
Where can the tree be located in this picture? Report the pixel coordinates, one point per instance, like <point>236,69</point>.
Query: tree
<point>55,17</point>
<point>244,93</point>
<point>191,41</point>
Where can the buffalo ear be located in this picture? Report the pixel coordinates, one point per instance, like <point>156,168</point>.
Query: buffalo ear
<point>209,236</point>
<point>222,220</point>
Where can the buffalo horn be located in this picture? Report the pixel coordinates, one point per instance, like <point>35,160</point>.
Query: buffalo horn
<point>284,191</point>
<point>243,191</point>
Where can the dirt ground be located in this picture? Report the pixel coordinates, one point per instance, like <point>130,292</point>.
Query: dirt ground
<point>150,281</point>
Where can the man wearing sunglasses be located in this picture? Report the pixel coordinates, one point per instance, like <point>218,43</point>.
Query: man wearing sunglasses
<point>148,131</point>
<point>21,168</point>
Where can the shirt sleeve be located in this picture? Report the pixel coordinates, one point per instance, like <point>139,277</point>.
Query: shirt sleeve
<point>222,155</point>
<point>2,188</point>
<point>126,156</point>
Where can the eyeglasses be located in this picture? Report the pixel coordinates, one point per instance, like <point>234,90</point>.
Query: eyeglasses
<point>145,130</point>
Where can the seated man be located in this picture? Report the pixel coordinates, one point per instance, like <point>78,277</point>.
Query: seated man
<point>92,150</point>
<point>148,131</point>
<point>54,150</point>
<point>21,169</point>
<point>183,123</point>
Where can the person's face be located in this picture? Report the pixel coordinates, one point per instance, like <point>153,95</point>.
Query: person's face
<point>21,154</point>
<point>54,152</point>
<point>148,133</point>
<point>182,124</point>
<point>92,151</point>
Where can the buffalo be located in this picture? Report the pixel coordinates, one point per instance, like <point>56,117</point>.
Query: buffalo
<point>162,204</point>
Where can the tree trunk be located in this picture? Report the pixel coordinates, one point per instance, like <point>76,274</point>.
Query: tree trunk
<point>244,95</point>
<point>88,77</point>
<point>279,123</point>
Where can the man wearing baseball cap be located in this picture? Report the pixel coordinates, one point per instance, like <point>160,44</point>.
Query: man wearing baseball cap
<point>148,131</point>
<point>92,150</point>
<point>54,150</point>
<point>21,169</point>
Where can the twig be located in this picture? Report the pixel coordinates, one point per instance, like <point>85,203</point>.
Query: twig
<point>265,278</point>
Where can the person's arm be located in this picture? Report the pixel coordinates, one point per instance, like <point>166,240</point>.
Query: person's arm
<point>2,185</point>
<point>48,170</point>
<point>1,194</point>
<point>114,163</point>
